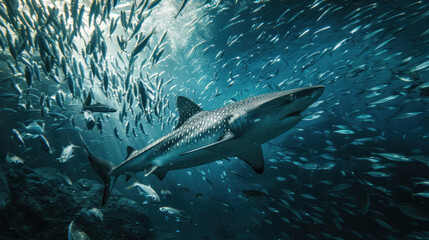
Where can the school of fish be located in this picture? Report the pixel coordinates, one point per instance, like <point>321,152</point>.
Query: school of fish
<point>110,72</point>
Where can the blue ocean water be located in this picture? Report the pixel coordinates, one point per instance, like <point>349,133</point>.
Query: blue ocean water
<point>355,167</point>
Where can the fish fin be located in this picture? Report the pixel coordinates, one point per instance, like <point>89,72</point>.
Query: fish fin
<point>187,108</point>
<point>103,168</point>
<point>88,100</point>
<point>150,170</point>
<point>131,186</point>
<point>229,136</point>
<point>254,158</point>
<point>129,150</point>
<point>128,177</point>
<point>160,173</point>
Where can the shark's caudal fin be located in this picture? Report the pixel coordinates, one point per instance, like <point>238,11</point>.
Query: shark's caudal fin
<point>102,168</point>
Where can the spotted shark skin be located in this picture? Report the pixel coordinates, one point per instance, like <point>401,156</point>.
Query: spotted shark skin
<point>235,130</point>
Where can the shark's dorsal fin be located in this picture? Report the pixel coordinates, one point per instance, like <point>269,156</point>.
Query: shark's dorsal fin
<point>187,108</point>
<point>129,151</point>
<point>160,173</point>
<point>255,158</point>
<point>88,100</point>
<point>227,137</point>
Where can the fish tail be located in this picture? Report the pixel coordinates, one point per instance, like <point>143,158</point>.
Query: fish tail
<point>103,168</point>
<point>84,144</point>
<point>131,186</point>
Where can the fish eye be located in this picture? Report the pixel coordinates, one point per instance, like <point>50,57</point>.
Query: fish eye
<point>292,97</point>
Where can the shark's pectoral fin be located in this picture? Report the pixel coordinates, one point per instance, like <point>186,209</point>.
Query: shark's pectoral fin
<point>254,158</point>
<point>212,146</point>
<point>150,170</point>
<point>160,173</point>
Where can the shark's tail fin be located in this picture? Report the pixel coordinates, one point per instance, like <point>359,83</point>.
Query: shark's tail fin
<point>102,168</point>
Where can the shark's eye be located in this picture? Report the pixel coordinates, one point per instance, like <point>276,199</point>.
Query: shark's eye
<point>292,97</point>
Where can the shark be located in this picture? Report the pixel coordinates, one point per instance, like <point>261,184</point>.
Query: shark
<point>200,137</point>
<point>91,106</point>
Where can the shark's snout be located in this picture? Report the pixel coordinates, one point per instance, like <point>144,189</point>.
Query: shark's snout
<point>300,99</point>
<point>309,95</point>
<point>317,92</point>
<point>312,93</point>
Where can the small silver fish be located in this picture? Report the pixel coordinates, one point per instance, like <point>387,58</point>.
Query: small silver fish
<point>175,212</point>
<point>75,233</point>
<point>147,191</point>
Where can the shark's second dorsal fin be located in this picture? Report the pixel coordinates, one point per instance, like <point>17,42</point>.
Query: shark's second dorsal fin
<point>255,158</point>
<point>187,108</point>
<point>129,150</point>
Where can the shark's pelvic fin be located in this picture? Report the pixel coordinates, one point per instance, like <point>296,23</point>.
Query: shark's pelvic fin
<point>128,176</point>
<point>212,146</point>
<point>136,181</point>
<point>150,170</point>
<point>187,108</point>
<point>160,173</point>
<point>255,158</point>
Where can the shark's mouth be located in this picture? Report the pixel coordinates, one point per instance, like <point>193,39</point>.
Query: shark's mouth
<point>294,114</point>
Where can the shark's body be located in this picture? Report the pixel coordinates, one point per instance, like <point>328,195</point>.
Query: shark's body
<point>236,130</point>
